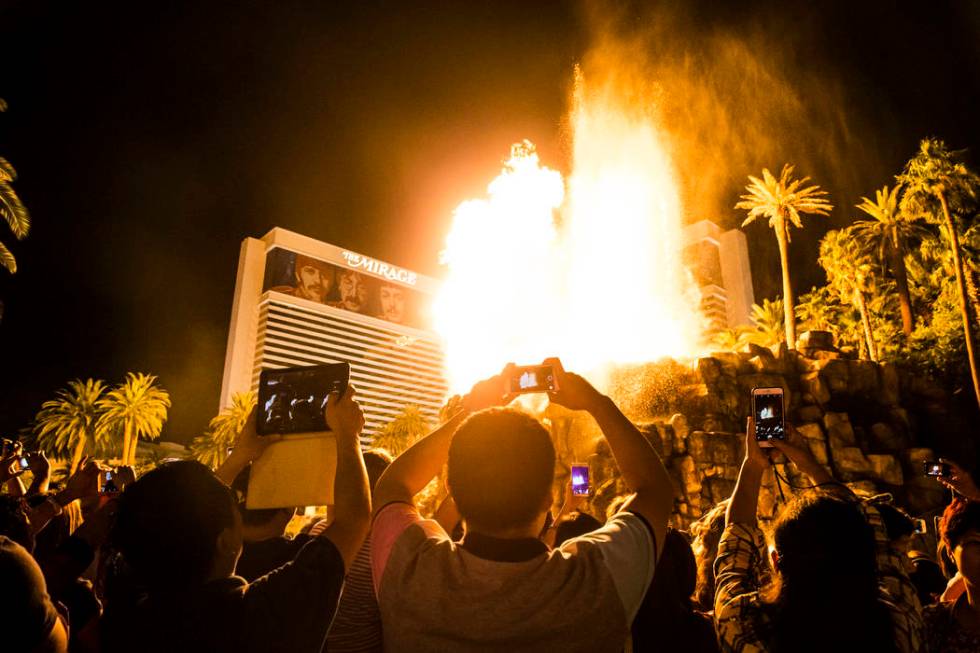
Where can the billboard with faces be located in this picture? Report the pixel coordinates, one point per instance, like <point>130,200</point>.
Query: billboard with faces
<point>299,275</point>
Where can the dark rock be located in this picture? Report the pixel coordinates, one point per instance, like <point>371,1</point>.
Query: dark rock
<point>862,378</point>
<point>817,340</point>
<point>888,379</point>
<point>709,369</point>
<point>883,437</point>
<point>851,464</point>
<point>814,385</point>
<point>886,468</point>
<point>839,431</point>
<point>680,429</point>
<point>836,374</point>
<point>809,414</point>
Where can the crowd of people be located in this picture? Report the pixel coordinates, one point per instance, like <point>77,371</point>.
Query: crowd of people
<point>175,561</point>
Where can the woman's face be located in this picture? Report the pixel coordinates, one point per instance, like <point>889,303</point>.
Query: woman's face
<point>967,556</point>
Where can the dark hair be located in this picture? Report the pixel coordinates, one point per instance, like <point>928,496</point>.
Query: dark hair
<point>573,525</point>
<point>959,517</point>
<point>707,534</point>
<point>928,579</point>
<point>14,522</point>
<point>826,596</point>
<point>897,521</point>
<point>376,461</point>
<point>168,523</point>
<point>667,619</point>
<point>501,468</point>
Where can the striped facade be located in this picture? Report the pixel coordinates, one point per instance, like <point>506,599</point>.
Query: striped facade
<point>392,365</point>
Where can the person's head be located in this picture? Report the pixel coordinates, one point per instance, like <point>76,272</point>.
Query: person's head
<point>501,468</point>
<point>353,291</point>
<point>675,577</point>
<point>927,577</point>
<point>177,527</point>
<point>376,461</point>
<point>575,524</point>
<point>14,522</point>
<point>824,556</point>
<point>28,619</point>
<point>707,533</point>
<point>899,526</point>
<point>392,303</point>
<point>259,523</point>
<point>960,533</point>
<point>313,278</point>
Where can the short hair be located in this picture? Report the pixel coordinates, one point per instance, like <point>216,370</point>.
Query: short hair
<point>168,523</point>
<point>376,461</point>
<point>960,517</point>
<point>573,525</point>
<point>501,468</point>
<point>897,522</point>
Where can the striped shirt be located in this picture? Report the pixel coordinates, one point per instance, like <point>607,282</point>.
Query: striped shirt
<point>357,626</point>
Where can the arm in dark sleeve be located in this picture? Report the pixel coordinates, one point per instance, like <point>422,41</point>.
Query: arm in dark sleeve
<point>294,605</point>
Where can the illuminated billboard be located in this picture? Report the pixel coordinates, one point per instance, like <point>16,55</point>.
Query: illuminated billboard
<point>383,292</point>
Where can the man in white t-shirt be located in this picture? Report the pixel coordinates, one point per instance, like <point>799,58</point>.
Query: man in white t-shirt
<point>501,588</point>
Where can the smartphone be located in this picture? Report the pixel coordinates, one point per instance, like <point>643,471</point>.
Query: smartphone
<point>109,485</point>
<point>580,480</point>
<point>920,526</point>
<point>768,411</point>
<point>294,400</point>
<point>937,469</point>
<point>23,463</point>
<point>532,378</point>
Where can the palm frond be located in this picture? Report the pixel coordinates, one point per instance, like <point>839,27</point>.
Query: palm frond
<point>7,259</point>
<point>14,211</point>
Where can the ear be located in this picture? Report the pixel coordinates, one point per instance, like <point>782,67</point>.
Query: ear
<point>229,543</point>
<point>774,559</point>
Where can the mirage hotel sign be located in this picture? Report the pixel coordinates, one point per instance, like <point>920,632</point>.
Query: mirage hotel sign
<point>380,269</point>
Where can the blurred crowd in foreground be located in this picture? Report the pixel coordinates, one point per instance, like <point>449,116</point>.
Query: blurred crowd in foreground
<point>174,561</point>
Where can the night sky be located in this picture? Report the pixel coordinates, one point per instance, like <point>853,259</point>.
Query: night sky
<point>150,142</point>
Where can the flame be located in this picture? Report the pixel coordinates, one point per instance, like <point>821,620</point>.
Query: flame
<point>606,286</point>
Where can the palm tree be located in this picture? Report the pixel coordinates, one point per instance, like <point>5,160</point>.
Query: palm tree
<point>942,189</point>
<point>782,201</point>
<point>850,273</point>
<point>398,435</point>
<point>135,408</point>
<point>212,447</point>
<point>11,208</point>
<point>769,322</point>
<point>66,424</point>
<point>732,339</point>
<point>889,232</point>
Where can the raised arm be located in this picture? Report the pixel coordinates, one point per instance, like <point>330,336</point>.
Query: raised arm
<point>745,500</point>
<point>248,447</point>
<point>638,462</point>
<point>351,490</point>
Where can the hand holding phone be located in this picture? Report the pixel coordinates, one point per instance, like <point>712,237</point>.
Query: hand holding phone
<point>768,414</point>
<point>937,469</point>
<point>527,379</point>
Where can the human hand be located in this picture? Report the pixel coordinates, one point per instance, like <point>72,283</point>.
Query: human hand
<point>84,482</point>
<point>959,481</point>
<point>754,455</point>
<point>38,463</point>
<point>9,467</point>
<point>574,392</point>
<point>344,415</point>
<point>794,447</point>
<point>250,444</point>
<point>488,393</point>
<point>123,476</point>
